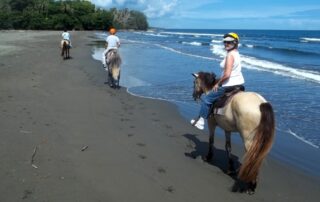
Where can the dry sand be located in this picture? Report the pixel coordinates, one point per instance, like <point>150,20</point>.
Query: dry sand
<point>137,149</point>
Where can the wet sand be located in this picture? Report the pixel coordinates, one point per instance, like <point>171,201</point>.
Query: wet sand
<point>135,149</point>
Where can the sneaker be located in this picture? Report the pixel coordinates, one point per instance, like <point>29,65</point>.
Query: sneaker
<point>199,124</point>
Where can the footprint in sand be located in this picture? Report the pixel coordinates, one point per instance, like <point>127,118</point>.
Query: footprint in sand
<point>132,127</point>
<point>130,135</point>
<point>124,120</point>
<point>143,157</point>
<point>169,189</point>
<point>171,135</point>
<point>26,194</point>
<point>141,144</point>
<point>161,170</point>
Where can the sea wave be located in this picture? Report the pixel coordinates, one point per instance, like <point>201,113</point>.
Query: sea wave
<point>192,34</point>
<point>216,41</point>
<point>281,49</point>
<point>194,43</point>
<point>174,50</point>
<point>248,45</point>
<point>218,50</point>
<point>302,139</point>
<point>254,63</point>
<point>259,64</point>
<point>151,34</point>
<point>306,39</point>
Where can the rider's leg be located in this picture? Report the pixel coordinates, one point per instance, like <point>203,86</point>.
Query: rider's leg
<point>208,100</point>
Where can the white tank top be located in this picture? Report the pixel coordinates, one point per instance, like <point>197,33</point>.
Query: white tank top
<point>236,77</point>
<point>113,42</point>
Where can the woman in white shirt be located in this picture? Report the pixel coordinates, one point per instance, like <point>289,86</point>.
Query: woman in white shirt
<point>112,42</point>
<point>231,75</point>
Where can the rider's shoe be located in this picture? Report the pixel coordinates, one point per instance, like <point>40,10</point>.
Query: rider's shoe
<point>199,124</point>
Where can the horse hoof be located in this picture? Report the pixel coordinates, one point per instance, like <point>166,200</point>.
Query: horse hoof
<point>207,158</point>
<point>250,192</point>
<point>231,172</point>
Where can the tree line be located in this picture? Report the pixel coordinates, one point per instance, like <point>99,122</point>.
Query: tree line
<point>67,14</point>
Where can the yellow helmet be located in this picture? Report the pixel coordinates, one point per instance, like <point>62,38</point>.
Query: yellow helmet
<point>231,37</point>
<point>112,31</point>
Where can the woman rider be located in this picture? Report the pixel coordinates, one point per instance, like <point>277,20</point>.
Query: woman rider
<point>112,42</point>
<point>231,76</point>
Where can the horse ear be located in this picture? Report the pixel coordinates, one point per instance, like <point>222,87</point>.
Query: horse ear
<point>195,75</point>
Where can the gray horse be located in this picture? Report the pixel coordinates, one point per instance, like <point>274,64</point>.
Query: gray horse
<point>113,61</point>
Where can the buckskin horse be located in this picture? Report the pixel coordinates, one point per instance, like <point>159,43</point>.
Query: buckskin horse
<point>247,113</point>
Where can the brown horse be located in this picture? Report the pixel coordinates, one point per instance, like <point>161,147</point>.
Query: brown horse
<point>65,50</point>
<point>249,114</point>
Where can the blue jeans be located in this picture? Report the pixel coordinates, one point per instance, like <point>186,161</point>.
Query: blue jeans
<point>207,101</point>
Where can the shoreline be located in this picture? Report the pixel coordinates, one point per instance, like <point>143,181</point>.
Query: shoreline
<point>138,149</point>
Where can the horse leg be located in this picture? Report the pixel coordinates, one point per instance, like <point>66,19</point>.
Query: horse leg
<point>118,81</point>
<point>110,78</point>
<point>230,169</point>
<point>68,49</point>
<point>62,50</point>
<point>212,127</point>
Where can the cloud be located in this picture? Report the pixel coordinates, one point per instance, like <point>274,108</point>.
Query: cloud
<point>159,8</point>
<point>152,8</point>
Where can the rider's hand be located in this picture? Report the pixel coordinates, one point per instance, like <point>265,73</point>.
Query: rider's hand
<point>215,87</point>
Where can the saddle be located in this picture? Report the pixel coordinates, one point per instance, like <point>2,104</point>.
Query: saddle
<point>225,98</point>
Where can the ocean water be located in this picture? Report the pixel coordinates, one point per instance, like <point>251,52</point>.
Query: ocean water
<point>283,66</point>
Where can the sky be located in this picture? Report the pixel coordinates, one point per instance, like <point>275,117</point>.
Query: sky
<point>222,14</point>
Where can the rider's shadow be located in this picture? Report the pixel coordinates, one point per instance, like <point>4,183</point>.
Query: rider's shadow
<point>219,159</point>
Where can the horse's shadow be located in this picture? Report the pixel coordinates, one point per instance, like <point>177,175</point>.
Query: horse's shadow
<point>219,160</point>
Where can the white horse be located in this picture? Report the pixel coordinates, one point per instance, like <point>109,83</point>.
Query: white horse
<point>247,113</point>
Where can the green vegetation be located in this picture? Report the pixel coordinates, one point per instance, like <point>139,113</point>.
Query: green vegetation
<point>57,15</point>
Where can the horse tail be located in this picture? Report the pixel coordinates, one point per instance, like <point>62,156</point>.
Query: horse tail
<point>260,146</point>
<point>114,59</point>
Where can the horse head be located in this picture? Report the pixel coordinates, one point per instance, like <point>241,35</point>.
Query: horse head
<point>203,82</point>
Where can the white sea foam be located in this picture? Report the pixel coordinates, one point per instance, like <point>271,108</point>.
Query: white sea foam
<point>249,45</point>
<point>259,64</point>
<point>305,39</point>
<point>218,50</point>
<point>97,54</point>
<point>216,41</point>
<point>302,139</point>
<point>254,63</point>
<point>151,34</point>
<point>194,43</point>
<point>191,34</point>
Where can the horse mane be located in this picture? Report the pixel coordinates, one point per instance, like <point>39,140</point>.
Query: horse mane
<point>208,79</point>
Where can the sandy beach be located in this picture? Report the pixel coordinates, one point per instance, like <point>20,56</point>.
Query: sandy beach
<point>88,142</point>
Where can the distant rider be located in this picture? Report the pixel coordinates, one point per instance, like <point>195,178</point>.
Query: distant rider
<point>231,76</point>
<point>112,42</point>
<point>66,37</point>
